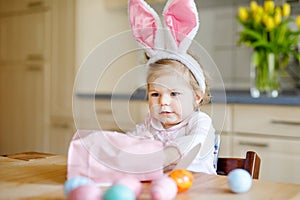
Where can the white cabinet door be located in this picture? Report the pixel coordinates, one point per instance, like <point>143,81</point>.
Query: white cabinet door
<point>61,75</point>
<point>60,134</point>
<point>62,72</point>
<point>280,157</point>
<point>22,37</point>
<point>15,6</point>
<point>273,132</point>
<point>22,109</point>
<point>24,54</point>
<point>267,119</point>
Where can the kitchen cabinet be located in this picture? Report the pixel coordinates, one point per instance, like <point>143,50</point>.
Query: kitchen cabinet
<point>24,59</point>
<point>62,72</point>
<point>273,132</point>
<point>23,36</point>
<point>17,6</point>
<point>36,74</point>
<point>270,120</point>
<point>22,108</point>
<point>280,157</point>
<point>61,131</point>
<point>61,76</point>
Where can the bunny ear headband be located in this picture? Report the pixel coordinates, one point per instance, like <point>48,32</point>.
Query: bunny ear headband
<point>181,22</point>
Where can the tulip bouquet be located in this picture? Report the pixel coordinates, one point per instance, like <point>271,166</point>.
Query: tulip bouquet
<point>268,30</point>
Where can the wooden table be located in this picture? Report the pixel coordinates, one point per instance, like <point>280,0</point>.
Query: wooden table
<point>41,176</point>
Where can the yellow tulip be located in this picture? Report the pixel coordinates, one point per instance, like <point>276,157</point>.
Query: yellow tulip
<point>257,18</point>
<point>270,23</point>
<point>278,10</point>
<point>277,19</point>
<point>243,13</point>
<point>269,6</point>
<point>286,9</point>
<point>265,18</point>
<point>298,21</point>
<point>253,6</point>
<point>260,10</point>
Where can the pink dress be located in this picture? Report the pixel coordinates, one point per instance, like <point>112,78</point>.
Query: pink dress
<point>197,128</point>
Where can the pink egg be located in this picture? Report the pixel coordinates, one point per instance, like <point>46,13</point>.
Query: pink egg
<point>164,188</point>
<point>90,191</point>
<point>132,183</point>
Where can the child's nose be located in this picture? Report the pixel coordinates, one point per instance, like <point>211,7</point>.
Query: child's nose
<point>165,99</point>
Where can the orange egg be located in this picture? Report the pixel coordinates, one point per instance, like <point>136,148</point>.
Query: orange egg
<point>183,178</point>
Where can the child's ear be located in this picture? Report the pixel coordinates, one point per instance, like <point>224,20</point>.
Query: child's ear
<point>199,96</point>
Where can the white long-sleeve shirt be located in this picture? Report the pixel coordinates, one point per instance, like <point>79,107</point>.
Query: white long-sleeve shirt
<point>195,129</point>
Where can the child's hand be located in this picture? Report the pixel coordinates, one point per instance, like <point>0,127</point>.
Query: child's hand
<point>171,156</point>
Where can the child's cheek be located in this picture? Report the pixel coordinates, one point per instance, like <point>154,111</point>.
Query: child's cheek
<point>186,106</point>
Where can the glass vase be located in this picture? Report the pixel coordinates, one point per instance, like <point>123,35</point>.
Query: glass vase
<point>264,75</point>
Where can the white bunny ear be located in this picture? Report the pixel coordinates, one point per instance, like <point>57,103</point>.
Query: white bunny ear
<point>181,19</point>
<point>145,26</point>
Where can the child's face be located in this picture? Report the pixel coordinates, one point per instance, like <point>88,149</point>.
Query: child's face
<point>171,99</point>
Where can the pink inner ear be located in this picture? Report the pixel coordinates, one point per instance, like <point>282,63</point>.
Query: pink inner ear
<point>181,18</point>
<point>143,24</point>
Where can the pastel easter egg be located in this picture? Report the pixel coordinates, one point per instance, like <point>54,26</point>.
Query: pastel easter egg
<point>164,188</point>
<point>132,183</point>
<point>183,178</point>
<point>239,180</point>
<point>119,192</point>
<point>75,182</point>
<point>89,191</point>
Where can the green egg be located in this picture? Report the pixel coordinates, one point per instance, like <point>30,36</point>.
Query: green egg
<point>119,192</point>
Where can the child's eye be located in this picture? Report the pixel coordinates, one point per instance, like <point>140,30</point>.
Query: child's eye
<point>154,94</point>
<point>174,94</point>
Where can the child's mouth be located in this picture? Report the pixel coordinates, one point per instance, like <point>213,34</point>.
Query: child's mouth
<point>165,112</point>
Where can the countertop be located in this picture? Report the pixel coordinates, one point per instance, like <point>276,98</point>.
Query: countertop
<point>288,98</point>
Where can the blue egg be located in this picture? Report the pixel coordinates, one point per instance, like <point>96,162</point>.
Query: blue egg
<point>75,182</point>
<point>119,192</point>
<point>239,181</point>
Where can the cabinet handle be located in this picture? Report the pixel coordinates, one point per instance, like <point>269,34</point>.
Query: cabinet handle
<point>62,126</point>
<point>255,144</point>
<point>35,4</point>
<point>35,57</point>
<point>285,122</point>
<point>34,68</point>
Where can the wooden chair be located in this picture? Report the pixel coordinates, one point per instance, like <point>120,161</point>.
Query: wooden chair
<point>251,163</point>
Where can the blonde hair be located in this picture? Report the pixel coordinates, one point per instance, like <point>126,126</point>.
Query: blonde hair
<point>167,66</point>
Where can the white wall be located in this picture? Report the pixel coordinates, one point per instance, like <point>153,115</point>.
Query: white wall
<point>95,23</point>
<point>98,25</point>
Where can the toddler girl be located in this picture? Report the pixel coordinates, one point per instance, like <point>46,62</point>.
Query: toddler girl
<point>175,117</point>
<point>176,83</point>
